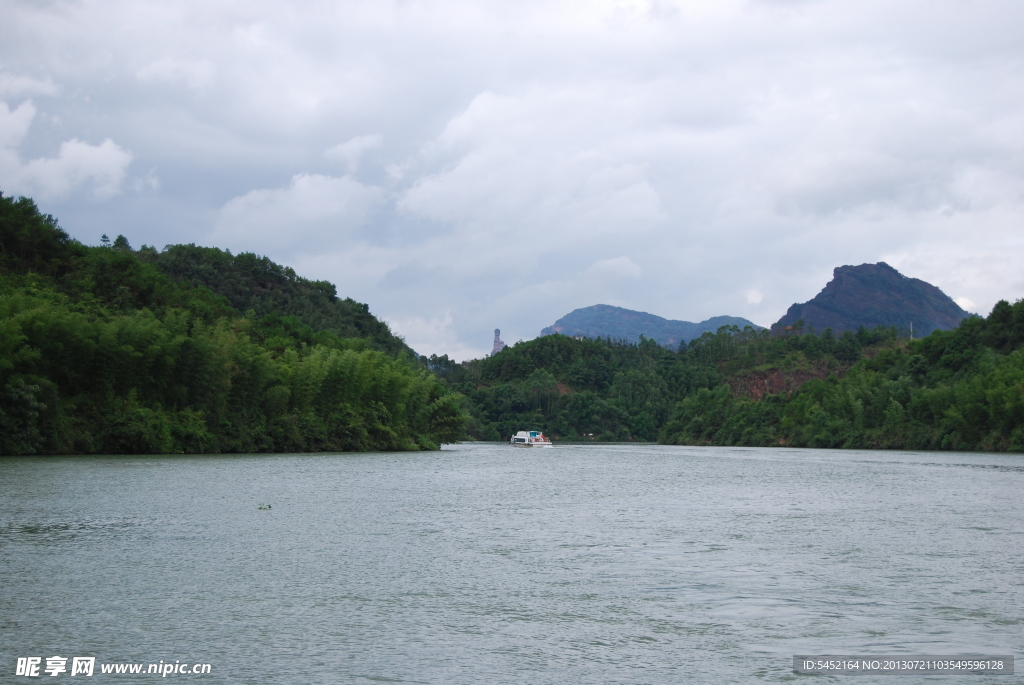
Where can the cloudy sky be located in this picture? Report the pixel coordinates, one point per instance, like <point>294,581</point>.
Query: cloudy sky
<point>465,166</point>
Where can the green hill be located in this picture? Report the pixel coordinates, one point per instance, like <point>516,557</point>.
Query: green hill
<point>957,390</point>
<point>110,350</point>
<point>873,388</point>
<point>603,389</point>
<point>255,284</point>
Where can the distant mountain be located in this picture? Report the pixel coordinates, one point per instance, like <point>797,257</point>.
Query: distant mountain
<point>606,321</point>
<point>872,295</point>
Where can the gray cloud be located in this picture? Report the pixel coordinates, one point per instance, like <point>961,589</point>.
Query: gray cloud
<point>464,166</point>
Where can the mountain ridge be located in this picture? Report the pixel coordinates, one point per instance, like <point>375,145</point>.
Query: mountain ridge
<point>618,323</point>
<point>873,295</point>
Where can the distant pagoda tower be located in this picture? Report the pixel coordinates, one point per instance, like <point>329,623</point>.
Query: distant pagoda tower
<point>498,345</point>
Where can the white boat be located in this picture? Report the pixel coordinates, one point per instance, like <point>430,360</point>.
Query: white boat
<point>530,439</point>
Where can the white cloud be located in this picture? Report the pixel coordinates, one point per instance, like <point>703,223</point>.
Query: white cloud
<point>529,157</point>
<point>351,151</point>
<point>966,304</point>
<point>77,164</point>
<point>427,335</point>
<point>12,85</point>
<point>617,268</point>
<point>312,215</point>
<point>15,124</point>
<point>534,167</point>
<point>194,74</point>
<point>149,182</point>
<point>885,161</point>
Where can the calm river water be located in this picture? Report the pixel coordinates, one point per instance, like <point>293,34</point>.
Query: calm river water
<point>490,564</point>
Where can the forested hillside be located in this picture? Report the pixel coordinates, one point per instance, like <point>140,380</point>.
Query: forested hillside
<point>255,284</point>
<point>109,350</point>
<point>960,389</point>
<point>611,390</point>
<point>112,350</point>
<point>956,390</point>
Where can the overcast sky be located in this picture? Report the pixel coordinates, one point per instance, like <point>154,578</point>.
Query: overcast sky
<point>465,166</point>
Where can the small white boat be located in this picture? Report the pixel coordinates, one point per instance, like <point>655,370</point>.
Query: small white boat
<point>530,439</point>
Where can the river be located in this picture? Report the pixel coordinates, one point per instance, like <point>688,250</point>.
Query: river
<point>483,563</point>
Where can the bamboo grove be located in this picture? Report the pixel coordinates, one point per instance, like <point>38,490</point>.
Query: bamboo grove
<point>103,352</point>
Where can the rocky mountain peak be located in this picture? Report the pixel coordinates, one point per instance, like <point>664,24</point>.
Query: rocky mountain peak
<point>872,295</point>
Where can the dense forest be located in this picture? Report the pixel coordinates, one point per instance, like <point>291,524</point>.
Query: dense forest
<point>958,390</point>
<point>260,288</point>
<point>113,350</point>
